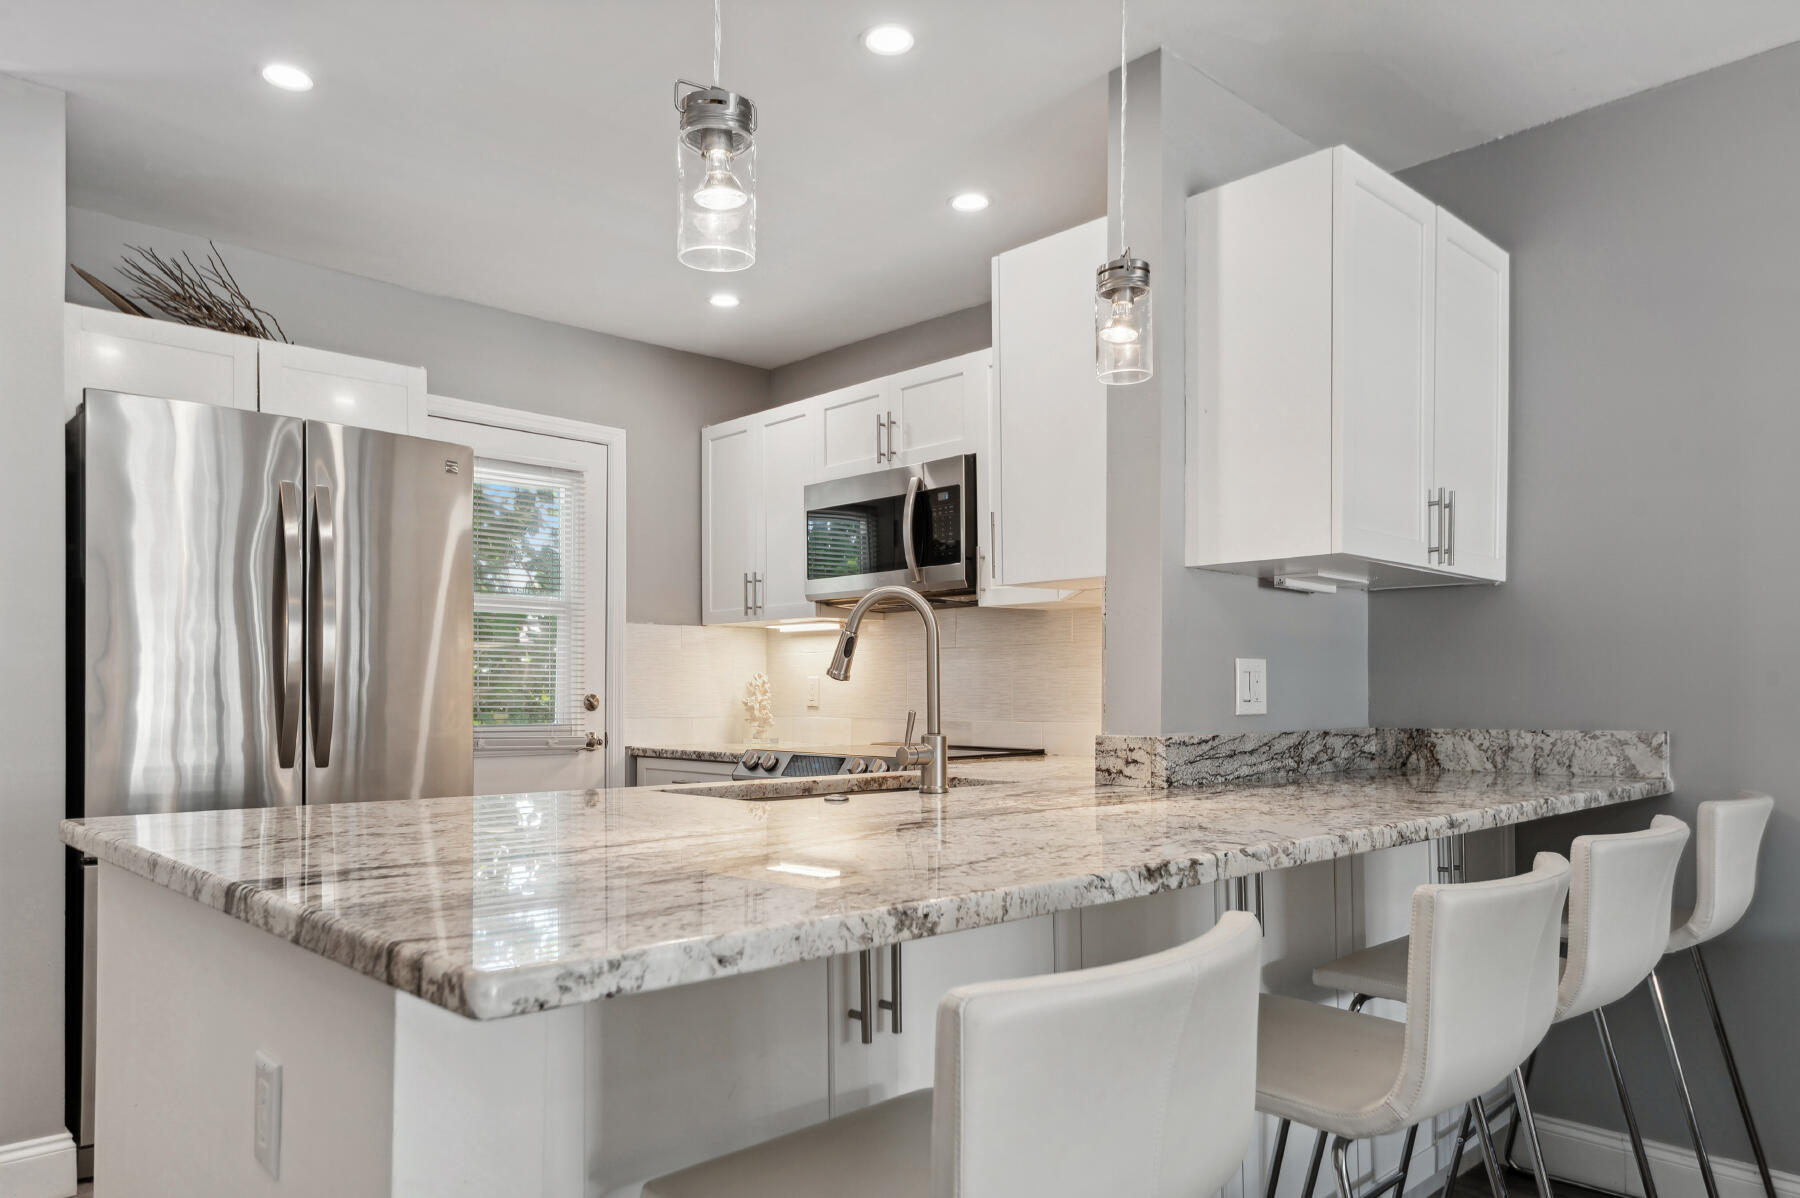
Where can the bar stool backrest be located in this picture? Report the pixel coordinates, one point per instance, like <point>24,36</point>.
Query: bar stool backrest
<point>1135,1078</point>
<point>1619,888</point>
<point>1480,984</point>
<point>1729,841</point>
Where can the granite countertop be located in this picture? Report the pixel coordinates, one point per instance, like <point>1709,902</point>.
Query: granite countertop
<point>505,904</point>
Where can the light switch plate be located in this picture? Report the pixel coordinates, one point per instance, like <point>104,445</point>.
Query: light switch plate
<point>812,690</point>
<point>268,1115</point>
<point>1252,684</point>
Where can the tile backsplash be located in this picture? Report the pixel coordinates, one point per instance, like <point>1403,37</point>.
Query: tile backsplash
<point>1028,679</point>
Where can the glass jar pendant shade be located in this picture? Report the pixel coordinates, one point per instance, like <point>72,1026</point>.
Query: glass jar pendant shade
<point>715,178</point>
<point>1122,348</point>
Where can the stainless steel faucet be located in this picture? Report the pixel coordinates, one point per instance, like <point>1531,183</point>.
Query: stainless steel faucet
<point>932,757</point>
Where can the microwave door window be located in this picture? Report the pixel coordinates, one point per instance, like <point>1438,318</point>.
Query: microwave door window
<point>860,539</point>
<point>843,542</point>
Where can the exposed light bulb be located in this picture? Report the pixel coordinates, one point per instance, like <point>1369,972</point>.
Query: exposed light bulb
<point>720,191</point>
<point>1120,331</point>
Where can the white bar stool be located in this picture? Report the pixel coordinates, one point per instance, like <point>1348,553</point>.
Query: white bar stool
<point>1481,988</point>
<point>1135,1078</point>
<point>1726,849</point>
<point>1619,886</point>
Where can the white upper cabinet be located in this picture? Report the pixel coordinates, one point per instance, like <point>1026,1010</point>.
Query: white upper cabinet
<point>790,456</point>
<point>1473,306</point>
<point>938,410</point>
<point>1347,363</point>
<point>1047,427</point>
<point>729,520</point>
<point>855,425</point>
<point>315,384</point>
<point>113,351</point>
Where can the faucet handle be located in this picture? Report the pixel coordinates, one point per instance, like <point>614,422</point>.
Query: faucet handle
<point>912,717</point>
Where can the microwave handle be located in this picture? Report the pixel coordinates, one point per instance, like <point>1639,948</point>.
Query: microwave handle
<point>906,526</point>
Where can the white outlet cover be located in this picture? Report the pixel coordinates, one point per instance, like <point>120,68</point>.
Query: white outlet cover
<point>812,690</point>
<point>1250,681</point>
<point>267,1129</point>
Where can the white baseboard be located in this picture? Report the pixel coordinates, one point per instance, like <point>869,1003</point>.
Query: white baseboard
<point>1593,1156</point>
<point>40,1168</point>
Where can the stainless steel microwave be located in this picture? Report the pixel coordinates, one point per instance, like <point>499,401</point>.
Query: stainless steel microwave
<point>911,525</point>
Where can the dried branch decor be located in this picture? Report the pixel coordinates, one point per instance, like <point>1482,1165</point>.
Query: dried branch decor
<point>204,294</point>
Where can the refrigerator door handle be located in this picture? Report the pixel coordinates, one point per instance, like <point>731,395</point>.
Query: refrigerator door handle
<point>323,679</point>
<point>290,630</point>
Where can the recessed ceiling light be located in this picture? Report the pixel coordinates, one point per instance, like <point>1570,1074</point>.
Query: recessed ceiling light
<point>969,201</point>
<point>888,40</point>
<point>722,299</point>
<point>287,77</point>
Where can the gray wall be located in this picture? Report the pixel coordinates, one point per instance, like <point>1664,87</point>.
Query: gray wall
<point>1653,578</point>
<point>919,344</point>
<point>1172,632</point>
<point>660,397</point>
<point>31,652</point>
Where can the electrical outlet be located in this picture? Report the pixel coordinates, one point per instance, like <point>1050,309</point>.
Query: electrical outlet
<point>268,1115</point>
<point>812,690</point>
<point>1252,684</point>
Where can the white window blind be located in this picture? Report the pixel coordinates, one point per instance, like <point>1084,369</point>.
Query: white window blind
<point>530,609</point>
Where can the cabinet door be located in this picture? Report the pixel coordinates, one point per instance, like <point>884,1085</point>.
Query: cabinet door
<point>339,389</point>
<point>111,351</point>
<point>941,408</point>
<point>895,1063</point>
<point>1047,434</point>
<point>1473,299</point>
<point>792,456</point>
<point>1383,277</point>
<point>729,512</point>
<point>669,771</point>
<point>854,427</point>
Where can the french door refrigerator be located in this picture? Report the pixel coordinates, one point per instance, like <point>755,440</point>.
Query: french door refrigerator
<point>264,611</point>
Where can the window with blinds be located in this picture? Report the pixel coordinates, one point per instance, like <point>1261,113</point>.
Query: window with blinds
<point>529,611</point>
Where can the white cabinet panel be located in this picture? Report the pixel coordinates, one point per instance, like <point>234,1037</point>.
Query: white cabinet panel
<point>112,351</point>
<point>940,408</point>
<point>728,514</point>
<point>668,771</point>
<point>855,426</point>
<point>682,1075</point>
<point>1384,273</point>
<point>1047,426</point>
<point>895,1063</point>
<point>317,385</point>
<point>792,455</point>
<point>1473,298</point>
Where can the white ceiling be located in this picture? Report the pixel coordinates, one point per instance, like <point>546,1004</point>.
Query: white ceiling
<point>519,153</point>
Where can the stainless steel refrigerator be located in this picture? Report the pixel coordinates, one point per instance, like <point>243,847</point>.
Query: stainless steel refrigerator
<point>264,611</point>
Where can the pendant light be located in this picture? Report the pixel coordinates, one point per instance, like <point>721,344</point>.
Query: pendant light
<point>715,172</point>
<point>1122,350</point>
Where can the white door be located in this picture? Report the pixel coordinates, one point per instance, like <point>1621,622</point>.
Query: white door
<point>1048,433</point>
<point>855,427</point>
<point>112,351</point>
<point>1383,246</point>
<point>1473,282</point>
<point>317,385</point>
<point>940,409</point>
<point>540,584</point>
<point>792,456</point>
<point>895,1063</point>
<point>730,514</point>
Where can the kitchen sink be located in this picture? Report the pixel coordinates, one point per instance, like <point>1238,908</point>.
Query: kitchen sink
<point>802,788</point>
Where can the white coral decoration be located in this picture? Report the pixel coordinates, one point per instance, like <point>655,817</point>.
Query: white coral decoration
<point>757,706</point>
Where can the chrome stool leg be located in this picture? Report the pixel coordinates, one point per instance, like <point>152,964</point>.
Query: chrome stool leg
<point>1340,1163</point>
<point>1496,1176</point>
<point>1737,1082</point>
<point>1312,1168</point>
<point>1661,1004</point>
<point>1631,1123</point>
<point>1512,1132</point>
<point>1462,1140</point>
<point>1522,1114</point>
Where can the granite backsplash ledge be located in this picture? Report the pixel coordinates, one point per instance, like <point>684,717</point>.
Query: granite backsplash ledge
<point>1159,762</point>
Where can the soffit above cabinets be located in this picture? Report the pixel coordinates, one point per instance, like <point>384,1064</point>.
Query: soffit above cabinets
<point>518,155</point>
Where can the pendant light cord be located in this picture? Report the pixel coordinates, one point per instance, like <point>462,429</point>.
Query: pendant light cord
<point>718,40</point>
<point>1124,97</point>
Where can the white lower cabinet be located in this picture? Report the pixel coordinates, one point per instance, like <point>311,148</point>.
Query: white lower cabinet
<point>674,771</point>
<point>895,1062</point>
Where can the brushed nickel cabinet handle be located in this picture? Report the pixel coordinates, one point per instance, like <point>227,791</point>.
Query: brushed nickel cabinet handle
<point>893,1004</point>
<point>1450,540</point>
<point>864,1014</point>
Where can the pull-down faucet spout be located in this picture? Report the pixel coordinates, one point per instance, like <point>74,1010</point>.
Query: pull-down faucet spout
<point>933,758</point>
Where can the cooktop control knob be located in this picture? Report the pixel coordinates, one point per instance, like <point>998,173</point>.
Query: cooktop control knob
<point>856,765</point>
<point>769,761</point>
<point>748,760</point>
